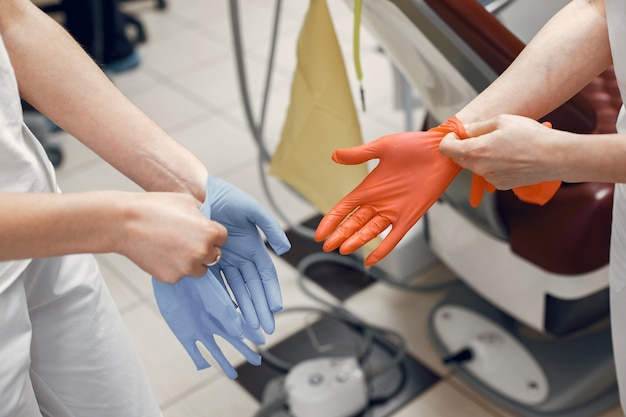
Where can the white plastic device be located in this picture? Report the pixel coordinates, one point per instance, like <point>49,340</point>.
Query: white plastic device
<point>328,387</point>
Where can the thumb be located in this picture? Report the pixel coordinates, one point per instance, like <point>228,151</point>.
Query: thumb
<point>481,128</point>
<point>356,155</point>
<point>274,233</point>
<point>452,146</point>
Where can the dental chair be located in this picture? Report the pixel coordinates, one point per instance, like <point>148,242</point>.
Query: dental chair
<point>529,329</point>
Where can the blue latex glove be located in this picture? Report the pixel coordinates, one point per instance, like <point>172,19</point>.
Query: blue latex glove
<point>197,309</point>
<point>245,261</point>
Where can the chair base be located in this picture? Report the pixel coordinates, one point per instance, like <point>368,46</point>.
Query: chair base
<point>525,372</point>
<point>487,264</point>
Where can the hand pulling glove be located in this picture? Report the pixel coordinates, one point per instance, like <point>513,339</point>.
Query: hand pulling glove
<point>410,176</point>
<point>245,261</point>
<point>538,194</point>
<point>197,309</point>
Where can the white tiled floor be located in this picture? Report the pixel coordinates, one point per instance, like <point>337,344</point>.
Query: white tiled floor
<point>187,83</point>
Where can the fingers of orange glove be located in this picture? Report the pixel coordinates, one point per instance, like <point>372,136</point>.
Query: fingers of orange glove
<point>356,155</point>
<point>369,231</point>
<point>386,246</point>
<point>329,222</point>
<point>337,215</point>
<point>410,176</point>
<point>351,225</point>
<point>478,188</point>
<point>537,193</point>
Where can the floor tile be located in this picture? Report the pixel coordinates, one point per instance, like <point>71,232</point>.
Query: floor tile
<point>168,106</point>
<point>218,144</point>
<point>218,397</point>
<point>125,298</point>
<point>170,370</point>
<point>406,312</point>
<point>444,400</point>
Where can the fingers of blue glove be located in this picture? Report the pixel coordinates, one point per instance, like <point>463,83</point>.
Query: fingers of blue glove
<point>272,230</point>
<point>251,356</point>
<point>266,271</point>
<point>260,297</point>
<point>254,335</point>
<point>218,304</point>
<point>210,344</point>
<point>240,290</point>
<point>216,328</point>
<point>272,293</point>
<point>176,307</point>
<point>217,271</point>
<point>218,191</point>
<point>195,355</point>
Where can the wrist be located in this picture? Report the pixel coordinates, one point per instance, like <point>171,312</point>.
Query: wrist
<point>119,220</point>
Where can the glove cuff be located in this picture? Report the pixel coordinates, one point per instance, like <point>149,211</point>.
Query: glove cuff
<point>452,125</point>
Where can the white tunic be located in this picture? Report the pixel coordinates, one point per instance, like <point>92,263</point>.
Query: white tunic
<point>24,166</point>
<point>69,351</point>
<point>616,19</point>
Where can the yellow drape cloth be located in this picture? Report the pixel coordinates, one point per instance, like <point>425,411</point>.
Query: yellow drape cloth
<point>321,117</point>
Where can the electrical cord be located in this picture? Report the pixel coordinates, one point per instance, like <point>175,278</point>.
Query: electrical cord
<point>257,128</point>
<point>369,334</point>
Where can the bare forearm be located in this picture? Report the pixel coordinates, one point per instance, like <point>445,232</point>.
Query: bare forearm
<point>47,224</point>
<point>562,58</point>
<point>145,227</point>
<point>598,158</point>
<point>57,77</point>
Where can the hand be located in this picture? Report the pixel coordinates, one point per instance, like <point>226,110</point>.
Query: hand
<point>410,176</point>
<point>507,151</point>
<point>198,309</point>
<point>245,261</point>
<point>152,237</point>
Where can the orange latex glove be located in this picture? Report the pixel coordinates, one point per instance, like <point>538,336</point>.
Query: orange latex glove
<point>409,178</point>
<point>538,194</point>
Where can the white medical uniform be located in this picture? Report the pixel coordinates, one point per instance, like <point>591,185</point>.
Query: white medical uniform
<point>64,350</point>
<point>616,19</point>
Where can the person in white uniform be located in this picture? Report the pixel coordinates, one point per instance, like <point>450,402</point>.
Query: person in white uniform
<point>510,149</point>
<point>64,350</point>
